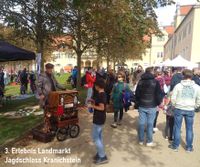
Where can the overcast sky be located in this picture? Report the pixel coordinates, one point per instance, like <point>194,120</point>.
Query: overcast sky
<point>166,14</point>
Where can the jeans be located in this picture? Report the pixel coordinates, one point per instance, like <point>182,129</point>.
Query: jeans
<point>118,114</point>
<point>146,116</point>
<point>89,94</point>
<point>189,120</point>
<point>98,139</point>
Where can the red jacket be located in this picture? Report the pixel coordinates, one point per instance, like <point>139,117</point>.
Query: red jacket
<point>161,81</point>
<point>90,80</point>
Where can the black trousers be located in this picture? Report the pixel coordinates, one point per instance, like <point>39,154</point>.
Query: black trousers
<point>75,82</point>
<point>118,115</point>
<point>169,127</point>
<point>108,98</point>
<point>156,118</point>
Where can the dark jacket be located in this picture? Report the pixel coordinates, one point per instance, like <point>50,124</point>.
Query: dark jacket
<point>110,81</point>
<point>2,79</point>
<point>24,77</point>
<point>175,80</point>
<point>196,79</point>
<point>148,92</point>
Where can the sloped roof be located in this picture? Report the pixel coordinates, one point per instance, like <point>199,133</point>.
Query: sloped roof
<point>169,29</point>
<point>184,10</point>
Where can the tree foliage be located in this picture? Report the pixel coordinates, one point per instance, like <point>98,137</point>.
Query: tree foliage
<point>114,28</point>
<point>31,20</point>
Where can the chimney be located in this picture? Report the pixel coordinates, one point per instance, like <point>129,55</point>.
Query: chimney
<point>177,9</point>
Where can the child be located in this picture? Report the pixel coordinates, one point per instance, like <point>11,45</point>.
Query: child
<point>99,119</point>
<point>168,109</point>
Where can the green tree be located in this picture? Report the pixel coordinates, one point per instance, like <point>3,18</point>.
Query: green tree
<point>31,20</point>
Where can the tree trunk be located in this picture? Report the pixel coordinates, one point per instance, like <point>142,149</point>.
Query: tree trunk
<point>114,63</point>
<point>40,33</point>
<point>108,61</point>
<point>79,54</point>
<point>98,62</point>
<point>40,49</point>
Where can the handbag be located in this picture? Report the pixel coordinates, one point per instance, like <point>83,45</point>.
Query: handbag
<point>109,108</point>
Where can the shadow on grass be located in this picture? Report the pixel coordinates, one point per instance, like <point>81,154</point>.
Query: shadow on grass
<point>11,129</point>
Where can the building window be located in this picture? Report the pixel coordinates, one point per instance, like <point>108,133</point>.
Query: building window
<point>161,39</point>
<point>179,37</point>
<point>183,53</point>
<point>184,32</point>
<point>175,41</point>
<point>182,35</point>
<point>189,27</point>
<point>159,54</point>
<point>58,56</point>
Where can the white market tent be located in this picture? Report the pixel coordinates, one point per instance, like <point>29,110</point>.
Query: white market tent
<point>179,61</point>
<point>166,62</point>
<point>162,64</point>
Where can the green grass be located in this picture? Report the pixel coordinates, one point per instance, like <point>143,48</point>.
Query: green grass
<point>12,90</point>
<point>14,105</point>
<point>11,129</point>
<point>62,79</point>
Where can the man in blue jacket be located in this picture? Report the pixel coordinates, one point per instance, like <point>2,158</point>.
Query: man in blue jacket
<point>74,76</point>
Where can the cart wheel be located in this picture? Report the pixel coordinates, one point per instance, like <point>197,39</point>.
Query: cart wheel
<point>74,131</point>
<point>61,134</point>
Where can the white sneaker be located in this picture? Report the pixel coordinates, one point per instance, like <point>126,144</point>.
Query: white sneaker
<point>141,143</point>
<point>155,129</point>
<point>114,125</point>
<point>151,144</point>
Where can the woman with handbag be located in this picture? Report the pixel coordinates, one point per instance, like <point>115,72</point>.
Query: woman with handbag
<point>117,99</point>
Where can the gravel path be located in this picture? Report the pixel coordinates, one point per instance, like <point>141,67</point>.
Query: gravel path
<point>121,147</point>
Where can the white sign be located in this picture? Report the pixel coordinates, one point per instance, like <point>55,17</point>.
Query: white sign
<point>38,63</point>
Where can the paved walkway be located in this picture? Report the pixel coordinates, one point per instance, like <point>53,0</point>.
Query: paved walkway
<point>121,146</point>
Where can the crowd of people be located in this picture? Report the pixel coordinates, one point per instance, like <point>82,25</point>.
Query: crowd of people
<point>22,77</point>
<point>175,92</point>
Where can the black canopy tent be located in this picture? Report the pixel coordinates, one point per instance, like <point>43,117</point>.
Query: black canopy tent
<point>10,52</point>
